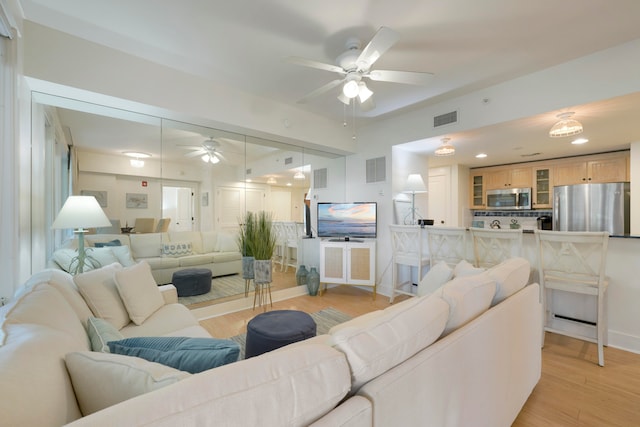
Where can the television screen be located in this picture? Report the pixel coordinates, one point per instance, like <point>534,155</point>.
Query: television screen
<point>347,219</point>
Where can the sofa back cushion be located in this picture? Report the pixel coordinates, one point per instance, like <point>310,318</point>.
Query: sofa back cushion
<point>468,297</point>
<point>510,275</point>
<point>194,237</point>
<point>209,241</point>
<point>93,239</point>
<point>381,340</point>
<point>147,245</point>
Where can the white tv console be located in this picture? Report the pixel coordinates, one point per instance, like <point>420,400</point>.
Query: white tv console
<point>348,262</point>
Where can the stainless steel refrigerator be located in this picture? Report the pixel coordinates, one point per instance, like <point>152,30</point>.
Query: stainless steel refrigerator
<point>592,207</point>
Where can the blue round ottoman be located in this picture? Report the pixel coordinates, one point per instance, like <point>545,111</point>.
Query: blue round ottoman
<point>274,329</point>
<point>192,281</point>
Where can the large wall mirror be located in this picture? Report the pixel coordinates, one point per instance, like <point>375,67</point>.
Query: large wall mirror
<point>154,174</point>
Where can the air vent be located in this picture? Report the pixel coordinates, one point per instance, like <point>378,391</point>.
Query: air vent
<point>376,170</point>
<point>445,119</point>
<point>320,178</point>
<point>248,172</point>
<point>288,160</point>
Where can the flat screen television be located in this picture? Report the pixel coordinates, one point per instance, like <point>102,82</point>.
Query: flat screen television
<point>347,220</point>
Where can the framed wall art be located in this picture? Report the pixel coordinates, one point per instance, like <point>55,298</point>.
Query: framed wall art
<point>136,201</point>
<point>101,196</point>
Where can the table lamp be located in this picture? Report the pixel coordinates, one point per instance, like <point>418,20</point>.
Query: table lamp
<point>80,212</point>
<point>414,185</point>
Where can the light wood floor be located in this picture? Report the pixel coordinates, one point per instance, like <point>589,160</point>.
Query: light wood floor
<point>573,389</point>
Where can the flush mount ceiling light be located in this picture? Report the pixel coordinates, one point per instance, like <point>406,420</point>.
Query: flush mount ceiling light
<point>299,175</point>
<point>137,157</point>
<point>271,180</point>
<point>579,141</point>
<point>566,126</point>
<point>445,149</point>
<point>481,156</point>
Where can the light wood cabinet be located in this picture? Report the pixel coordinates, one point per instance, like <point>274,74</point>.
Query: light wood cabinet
<point>348,263</point>
<point>508,178</point>
<point>608,169</point>
<point>477,191</point>
<point>542,187</point>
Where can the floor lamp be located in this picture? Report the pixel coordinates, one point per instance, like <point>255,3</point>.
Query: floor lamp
<point>414,185</point>
<point>80,213</point>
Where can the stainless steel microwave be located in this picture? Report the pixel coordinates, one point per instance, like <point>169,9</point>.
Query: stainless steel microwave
<point>509,199</point>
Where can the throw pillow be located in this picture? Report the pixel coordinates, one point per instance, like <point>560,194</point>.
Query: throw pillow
<point>114,242</point>
<point>139,291</point>
<point>123,253</point>
<point>437,276</point>
<point>98,288</point>
<point>63,258</point>
<point>510,275</point>
<point>103,256</point>
<point>465,268</point>
<point>186,354</point>
<point>468,297</point>
<point>101,380</point>
<point>100,333</point>
<point>177,249</point>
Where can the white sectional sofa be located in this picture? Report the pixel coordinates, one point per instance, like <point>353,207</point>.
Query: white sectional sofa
<point>457,357</point>
<point>217,251</point>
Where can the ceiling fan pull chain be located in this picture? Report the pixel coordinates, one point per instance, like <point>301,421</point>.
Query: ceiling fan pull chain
<point>353,103</point>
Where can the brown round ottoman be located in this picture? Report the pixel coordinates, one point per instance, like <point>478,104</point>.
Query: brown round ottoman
<point>274,329</point>
<point>192,281</point>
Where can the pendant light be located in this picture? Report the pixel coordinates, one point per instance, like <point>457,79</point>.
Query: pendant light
<point>445,149</point>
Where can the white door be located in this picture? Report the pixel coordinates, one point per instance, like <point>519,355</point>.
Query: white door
<point>177,204</point>
<point>440,198</point>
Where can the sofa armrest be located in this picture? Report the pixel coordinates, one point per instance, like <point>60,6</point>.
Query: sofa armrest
<point>169,293</point>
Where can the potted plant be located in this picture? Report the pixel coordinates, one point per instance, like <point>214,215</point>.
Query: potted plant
<point>262,243</point>
<point>247,229</point>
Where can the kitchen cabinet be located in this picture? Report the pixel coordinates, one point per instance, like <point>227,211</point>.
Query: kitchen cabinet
<point>348,263</point>
<point>508,178</point>
<point>606,169</point>
<point>477,191</point>
<point>542,189</point>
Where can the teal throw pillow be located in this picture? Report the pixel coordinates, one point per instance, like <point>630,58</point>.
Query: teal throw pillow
<point>186,354</point>
<point>100,333</point>
<point>115,242</point>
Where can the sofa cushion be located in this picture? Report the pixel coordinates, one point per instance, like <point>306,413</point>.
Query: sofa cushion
<point>123,253</point>
<point>219,257</point>
<point>101,380</point>
<point>94,239</point>
<point>468,297</point>
<point>158,263</point>
<point>465,268</point>
<point>382,340</point>
<point>226,242</point>
<point>98,288</point>
<point>510,275</point>
<point>195,260</point>
<point>139,291</point>
<point>195,237</point>
<point>184,353</point>
<point>437,276</point>
<point>100,333</point>
<point>168,319</point>
<point>209,241</point>
<point>177,249</point>
<point>147,245</point>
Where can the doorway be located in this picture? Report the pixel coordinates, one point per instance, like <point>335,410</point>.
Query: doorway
<point>178,204</point>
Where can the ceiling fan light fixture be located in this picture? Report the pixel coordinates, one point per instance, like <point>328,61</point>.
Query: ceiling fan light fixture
<point>210,158</point>
<point>445,149</point>
<point>350,89</point>
<point>364,92</point>
<point>566,126</point>
<point>137,163</point>
<point>299,175</point>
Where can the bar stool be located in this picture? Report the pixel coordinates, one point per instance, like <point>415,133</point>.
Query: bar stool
<point>491,247</point>
<point>448,244</point>
<point>574,262</point>
<point>406,247</point>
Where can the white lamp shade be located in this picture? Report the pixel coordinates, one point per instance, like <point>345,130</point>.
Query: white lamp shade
<point>81,212</point>
<point>415,184</point>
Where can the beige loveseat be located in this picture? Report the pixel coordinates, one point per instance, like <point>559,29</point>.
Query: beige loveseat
<point>468,354</point>
<point>217,251</point>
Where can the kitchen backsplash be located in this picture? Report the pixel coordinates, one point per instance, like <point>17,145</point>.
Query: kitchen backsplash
<point>526,220</point>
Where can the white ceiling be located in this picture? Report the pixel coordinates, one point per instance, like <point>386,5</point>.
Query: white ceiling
<point>467,44</point>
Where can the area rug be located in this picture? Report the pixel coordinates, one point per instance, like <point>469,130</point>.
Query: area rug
<point>325,320</point>
<point>223,286</point>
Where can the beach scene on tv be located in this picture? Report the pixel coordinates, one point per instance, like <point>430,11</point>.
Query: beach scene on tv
<point>347,220</point>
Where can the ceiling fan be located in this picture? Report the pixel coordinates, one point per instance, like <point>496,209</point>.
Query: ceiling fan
<point>208,151</point>
<point>354,66</point>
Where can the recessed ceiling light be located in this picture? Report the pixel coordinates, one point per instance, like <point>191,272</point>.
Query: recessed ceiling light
<point>579,141</point>
<point>481,156</point>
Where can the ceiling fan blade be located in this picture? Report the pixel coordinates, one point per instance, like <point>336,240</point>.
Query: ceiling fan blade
<point>368,105</point>
<point>190,147</point>
<point>196,153</point>
<point>379,44</point>
<point>315,64</point>
<point>320,90</point>
<point>406,77</point>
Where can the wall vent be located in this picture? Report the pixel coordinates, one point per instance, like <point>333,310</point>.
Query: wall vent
<point>248,172</point>
<point>445,119</point>
<point>376,170</point>
<point>320,178</point>
<point>288,160</point>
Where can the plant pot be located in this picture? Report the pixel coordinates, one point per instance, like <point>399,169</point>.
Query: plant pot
<point>313,281</point>
<point>262,271</point>
<point>247,267</point>
<point>301,276</point>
